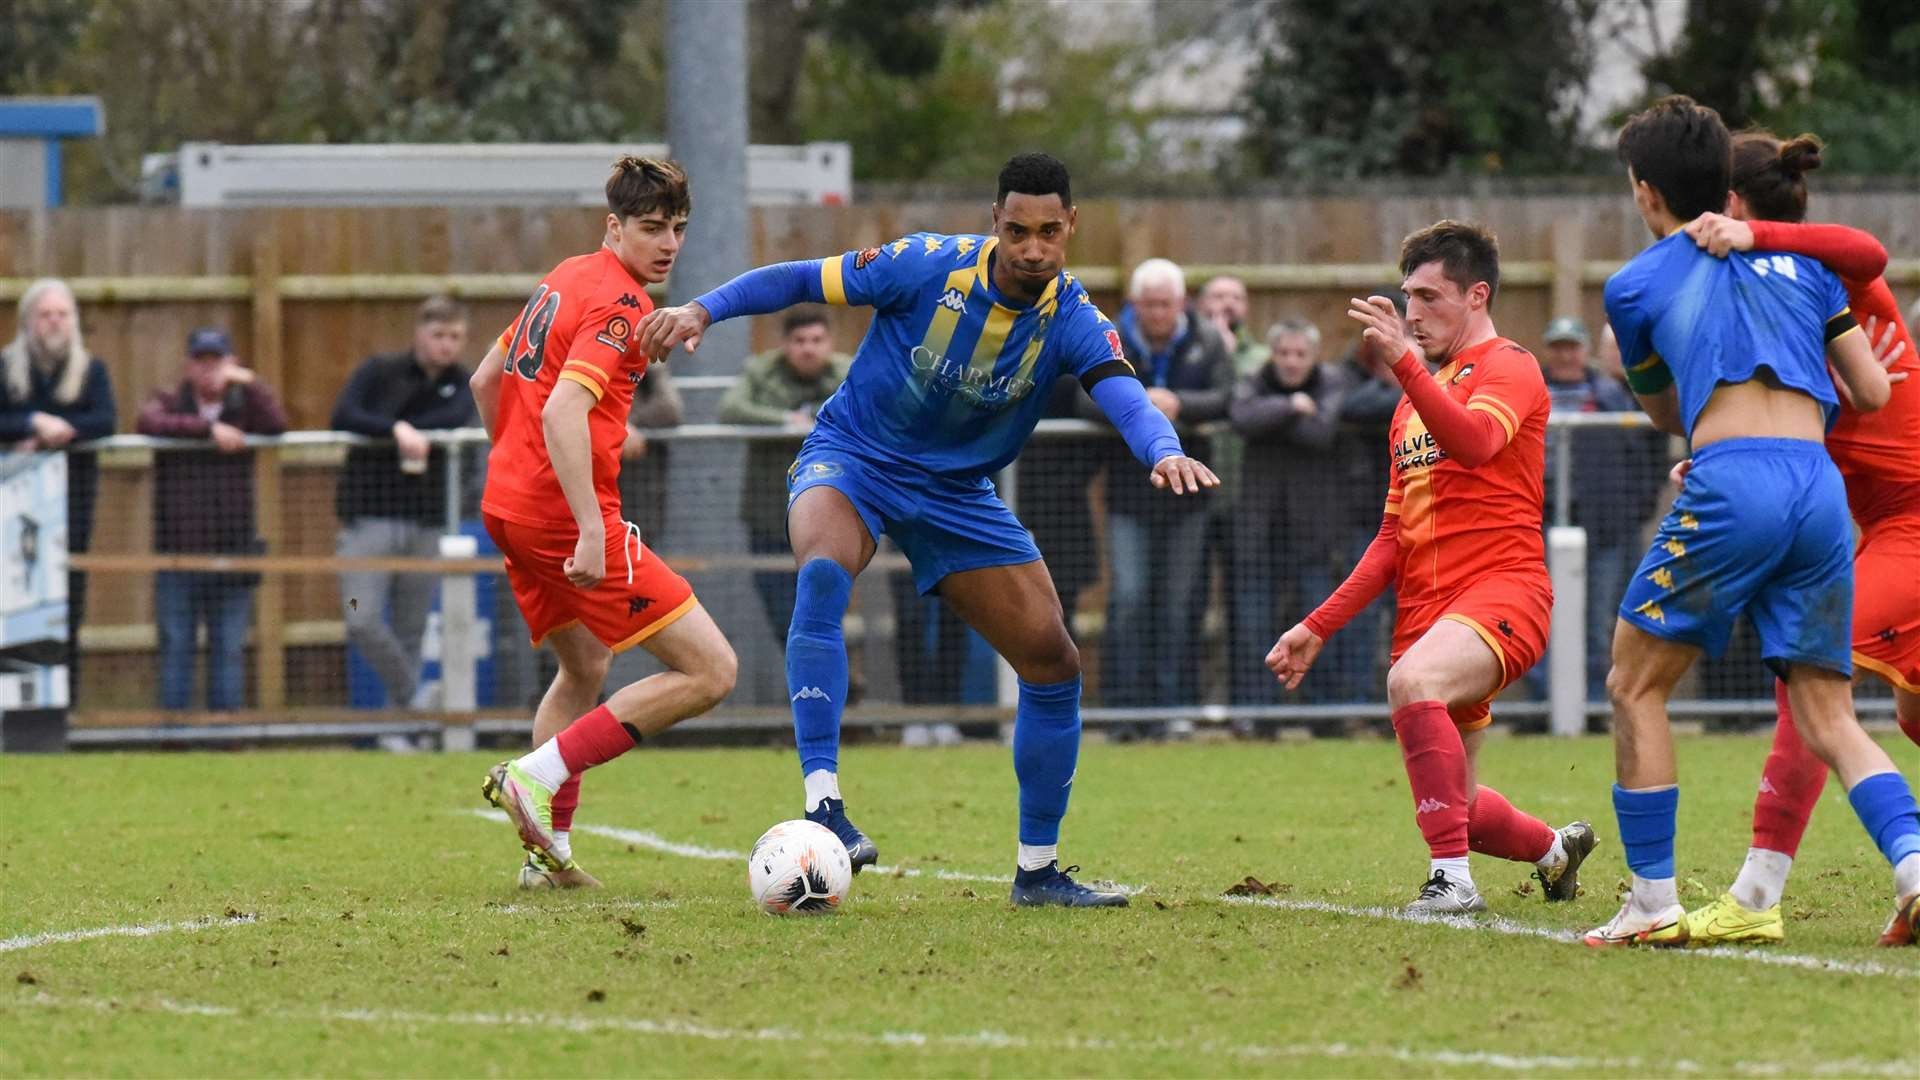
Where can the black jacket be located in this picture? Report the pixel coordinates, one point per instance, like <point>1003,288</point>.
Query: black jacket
<point>383,391</point>
<point>1294,467</point>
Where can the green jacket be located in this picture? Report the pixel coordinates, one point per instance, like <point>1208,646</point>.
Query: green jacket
<point>764,394</point>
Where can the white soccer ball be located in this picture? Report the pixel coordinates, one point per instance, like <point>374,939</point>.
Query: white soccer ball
<point>798,866</point>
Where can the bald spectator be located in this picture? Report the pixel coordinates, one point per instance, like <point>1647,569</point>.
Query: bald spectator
<point>1156,541</point>
<point>54,395</point>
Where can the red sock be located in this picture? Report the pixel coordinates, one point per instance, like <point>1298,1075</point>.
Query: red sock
<point>1790,785</point>
<point>1437,773</point>
<point>594,739</point>
<point>565,801</point>
<point>1495,828</point>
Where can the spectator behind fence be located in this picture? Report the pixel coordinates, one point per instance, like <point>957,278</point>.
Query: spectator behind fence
<point>53,395</point>
<point>392,498</point>
<point>782,388</point>
<point>203,504</point>
<point>1364,419</point>
<point>1223,303</point>
<point>1289,413</point>
<point>643,461</point>
<point>1156,548</point>
<point>1615,478</point>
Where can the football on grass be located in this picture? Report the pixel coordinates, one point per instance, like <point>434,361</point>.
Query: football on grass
<point>798,867</point>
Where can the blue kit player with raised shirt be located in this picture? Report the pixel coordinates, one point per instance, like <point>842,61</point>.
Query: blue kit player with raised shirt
<point>1732,354</point>
<point>942,394</point>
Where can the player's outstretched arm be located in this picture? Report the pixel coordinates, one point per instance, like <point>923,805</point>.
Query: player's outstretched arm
<point>485,385</point>
<point>1149,435</point>
<point>563,420</point>
<point>757,292</point>
<point>1855,254</point>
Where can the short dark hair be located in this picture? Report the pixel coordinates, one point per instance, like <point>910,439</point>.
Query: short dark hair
<point>1682,149</point>
<point>1034,174</point>
<point>805,315</point>
<point>1772,175</point>
<point>645,185</point>
<point>440,309</point>
<point>1466,253</point>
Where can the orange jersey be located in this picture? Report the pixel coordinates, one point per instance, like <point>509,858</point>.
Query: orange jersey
<point>1878,453</point>
<point>1459,524</point>
<point>579,326</point>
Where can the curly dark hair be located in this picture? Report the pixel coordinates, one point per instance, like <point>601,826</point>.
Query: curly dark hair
<point>1034,174</point>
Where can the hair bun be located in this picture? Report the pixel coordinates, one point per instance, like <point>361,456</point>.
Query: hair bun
<point>1800,154</point>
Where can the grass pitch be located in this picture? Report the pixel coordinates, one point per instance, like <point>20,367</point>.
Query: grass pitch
<point>350,914</point>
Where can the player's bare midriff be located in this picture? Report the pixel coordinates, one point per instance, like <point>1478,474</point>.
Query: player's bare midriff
<point>1754,410</point>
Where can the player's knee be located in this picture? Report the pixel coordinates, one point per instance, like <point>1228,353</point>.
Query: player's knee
<point>586,665</point>
<point>1055,662</point>
<point>715,676</point>
<point>1408,682</point>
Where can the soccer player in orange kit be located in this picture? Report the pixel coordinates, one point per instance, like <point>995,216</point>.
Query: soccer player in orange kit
<point>554,394</point>
<point>1874,452</point>
<point>1460,542</point>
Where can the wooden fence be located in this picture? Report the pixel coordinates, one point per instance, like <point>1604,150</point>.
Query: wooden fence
<point>307,293</point>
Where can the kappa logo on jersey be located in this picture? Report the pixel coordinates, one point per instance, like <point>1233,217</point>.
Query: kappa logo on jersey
<point>953,300</point>
<point>1428,806</point>
<point>1118,350</point>
<point>898,246</point>
<point>866,255</point>
<point>963,244</point>
<point>614,335</point>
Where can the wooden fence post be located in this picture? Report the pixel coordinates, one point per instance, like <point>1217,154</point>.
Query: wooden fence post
<point>269,623</point>
<point>1569,247</point>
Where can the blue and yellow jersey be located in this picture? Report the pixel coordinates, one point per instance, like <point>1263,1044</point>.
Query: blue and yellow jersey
<point>1686,318</point>
<point>952,375</point>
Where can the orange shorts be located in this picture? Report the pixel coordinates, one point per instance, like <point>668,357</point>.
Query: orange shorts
<point>1886,601</point>
<point>1512,613</point>
<point>620,612</point>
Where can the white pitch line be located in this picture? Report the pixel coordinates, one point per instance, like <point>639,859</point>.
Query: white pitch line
<point>656,842</point>
<point>1500,925</point>
<point>989,1040</point>
<point>56,937</point>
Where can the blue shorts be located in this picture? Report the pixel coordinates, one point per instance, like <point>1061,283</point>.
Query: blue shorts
<point>1761,527</point>
<point>944,525</point>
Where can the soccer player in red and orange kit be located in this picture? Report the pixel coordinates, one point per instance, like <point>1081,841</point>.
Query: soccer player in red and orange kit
<point>1460,541</point>
<point>554,394</point>
<point>1874,452</point>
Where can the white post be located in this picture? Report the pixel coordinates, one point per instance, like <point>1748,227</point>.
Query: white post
<point>1567,655</point>
<point>458,654</point>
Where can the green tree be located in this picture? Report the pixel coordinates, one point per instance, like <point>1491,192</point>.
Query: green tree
<point>1350,88</point>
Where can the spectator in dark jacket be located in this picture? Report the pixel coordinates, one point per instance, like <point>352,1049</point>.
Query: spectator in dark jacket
<point>54,395</point>
<point>1615,476</point>
<point>782,388</point>
<point>392,498</point>
<point>1156,547</point>
<point>203,504</point>
<point>644,462</point>
<point>1288,411</point>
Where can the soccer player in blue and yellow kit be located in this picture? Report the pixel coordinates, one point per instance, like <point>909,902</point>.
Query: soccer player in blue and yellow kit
<point>940,396</point>
<point>1728,352</point>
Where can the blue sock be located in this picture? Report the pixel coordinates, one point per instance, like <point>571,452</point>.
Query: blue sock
<point>1886,807</point>
<point>1046,750</point>
<point>1646,821</point>
<point>817,663</point>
